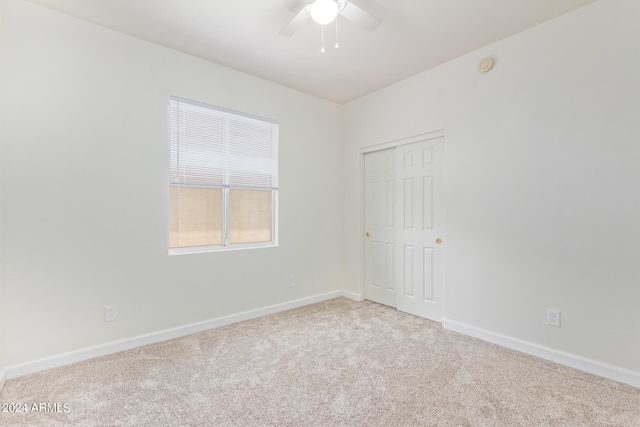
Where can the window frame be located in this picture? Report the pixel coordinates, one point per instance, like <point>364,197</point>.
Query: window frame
<point>225,188</point>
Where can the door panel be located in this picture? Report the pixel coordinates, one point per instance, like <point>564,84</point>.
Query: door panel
<point>408,279</point>
<point>380,214</point>
<point>427,275</point>
<point>421,205</point>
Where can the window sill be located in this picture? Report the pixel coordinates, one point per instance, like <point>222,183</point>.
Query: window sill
<point>206,249</point>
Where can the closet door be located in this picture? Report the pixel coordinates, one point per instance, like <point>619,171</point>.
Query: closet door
<point>420,213</point>
<point>380,196</point>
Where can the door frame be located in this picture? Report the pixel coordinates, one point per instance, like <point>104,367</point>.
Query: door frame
<point>361,217</point>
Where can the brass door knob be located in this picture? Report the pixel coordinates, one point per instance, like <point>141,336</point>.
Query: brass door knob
<point>438,240</point>
<point>368,235</point>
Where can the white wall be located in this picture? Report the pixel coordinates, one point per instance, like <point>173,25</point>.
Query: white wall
<point>4,298</point>
<point>542,159</point>
<point>4,305</point>
<point>542,181</point>
<point>85,172</point>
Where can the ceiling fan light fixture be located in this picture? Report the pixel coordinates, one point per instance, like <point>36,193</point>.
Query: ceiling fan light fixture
<point>324,11</point>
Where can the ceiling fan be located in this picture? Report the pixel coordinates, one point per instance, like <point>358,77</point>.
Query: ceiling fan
<point>325,11</point>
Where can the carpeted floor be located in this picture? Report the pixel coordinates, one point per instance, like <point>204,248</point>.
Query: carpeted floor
<point>338,362</point>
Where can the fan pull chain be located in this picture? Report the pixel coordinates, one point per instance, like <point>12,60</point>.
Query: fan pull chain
<point>337,45</point>
<point>322,49</point>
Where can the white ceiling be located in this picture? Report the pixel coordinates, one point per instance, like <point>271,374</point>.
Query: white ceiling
<point>415,35</point>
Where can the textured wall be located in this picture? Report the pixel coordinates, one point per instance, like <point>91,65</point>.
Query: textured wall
<point>542,180</point>
<point>86,138</point>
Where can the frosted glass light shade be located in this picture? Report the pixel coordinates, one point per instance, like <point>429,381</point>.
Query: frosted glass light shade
<point>324,11</point>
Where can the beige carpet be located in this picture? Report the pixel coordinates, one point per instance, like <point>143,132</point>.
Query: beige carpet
<point>338,362</point>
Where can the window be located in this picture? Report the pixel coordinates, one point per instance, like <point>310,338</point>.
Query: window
<point>223,178</point>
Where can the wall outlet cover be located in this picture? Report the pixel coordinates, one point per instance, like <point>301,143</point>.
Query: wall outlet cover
<point>553,317</point>
<point>110,313</point>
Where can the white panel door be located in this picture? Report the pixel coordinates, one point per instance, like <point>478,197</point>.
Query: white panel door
<point>380,224</point>
<point>420,211</point>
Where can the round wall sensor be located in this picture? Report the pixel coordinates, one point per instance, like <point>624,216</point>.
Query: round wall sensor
<point>485,64</point>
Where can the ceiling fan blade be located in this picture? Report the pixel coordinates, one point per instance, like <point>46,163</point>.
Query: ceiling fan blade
<point>360,16</point>
<point>296,22</point>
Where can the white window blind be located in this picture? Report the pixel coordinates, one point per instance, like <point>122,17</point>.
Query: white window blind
<point>214,147</point>
<point>223,179</point>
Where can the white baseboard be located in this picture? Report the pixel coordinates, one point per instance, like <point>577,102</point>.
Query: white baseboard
<point>581,363</point>
<point>601,369</point>
<point>155,337</point>
<point>351,295</point>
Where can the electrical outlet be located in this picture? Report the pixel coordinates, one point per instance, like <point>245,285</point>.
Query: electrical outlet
<point>291,283</point>
<point>553,317</point>
<point>110,313</point>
